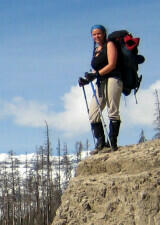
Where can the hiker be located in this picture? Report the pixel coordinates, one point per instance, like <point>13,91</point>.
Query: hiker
<point>106,69</point>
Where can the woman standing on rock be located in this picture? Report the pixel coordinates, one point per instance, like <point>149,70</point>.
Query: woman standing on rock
<point>106,70</point>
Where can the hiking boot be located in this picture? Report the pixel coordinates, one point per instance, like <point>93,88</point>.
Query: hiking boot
<point>113,133</point>
<point>99,146</point>
<point>100,143</point>
<point>107,144</point>
<point>99,135</point>
<point>94,152</point>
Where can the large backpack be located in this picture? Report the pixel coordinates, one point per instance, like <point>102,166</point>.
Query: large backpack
<point>129,59</point>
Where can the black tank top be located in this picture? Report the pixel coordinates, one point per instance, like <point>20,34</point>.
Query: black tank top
<point>99,61</point>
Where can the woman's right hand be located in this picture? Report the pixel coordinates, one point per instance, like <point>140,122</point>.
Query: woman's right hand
<point>82,81</point>
<point>91,76</point>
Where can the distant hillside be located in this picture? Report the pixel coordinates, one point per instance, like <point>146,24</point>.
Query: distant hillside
<point>117,188</point>
<point>5,162</point>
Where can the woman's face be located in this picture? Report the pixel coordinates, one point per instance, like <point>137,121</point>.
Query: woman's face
<point>98,36</point>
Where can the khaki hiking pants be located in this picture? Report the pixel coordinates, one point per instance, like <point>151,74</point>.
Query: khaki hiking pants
<point>110,90</point>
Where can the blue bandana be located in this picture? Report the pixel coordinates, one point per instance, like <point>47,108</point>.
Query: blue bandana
<point>98,27</point>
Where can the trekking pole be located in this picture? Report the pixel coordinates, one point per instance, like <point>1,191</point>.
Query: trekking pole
<point>85,97</point>
<point>100,112</point>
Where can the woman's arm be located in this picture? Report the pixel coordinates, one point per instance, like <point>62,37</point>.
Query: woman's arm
<point>112,59</point>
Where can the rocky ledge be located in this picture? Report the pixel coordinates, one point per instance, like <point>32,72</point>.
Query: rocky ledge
<point>117,188</point>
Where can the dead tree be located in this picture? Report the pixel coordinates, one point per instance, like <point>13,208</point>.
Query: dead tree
<point>59,164</point>
<point>67,166</point>
<point>157,116</point>
<point>79,148</point>
<point>142,137</point>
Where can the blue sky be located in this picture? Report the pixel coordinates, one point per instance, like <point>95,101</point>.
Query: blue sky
<point>45,46</point>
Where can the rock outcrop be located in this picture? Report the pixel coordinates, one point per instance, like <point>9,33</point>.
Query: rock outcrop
<point>117,188</point>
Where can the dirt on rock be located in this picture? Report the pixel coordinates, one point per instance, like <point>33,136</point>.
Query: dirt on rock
<point>116,188</point>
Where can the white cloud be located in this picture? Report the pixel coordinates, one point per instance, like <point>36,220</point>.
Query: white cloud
<point>74,119</point>
<point>27,113</point>
<point>143,112</point>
